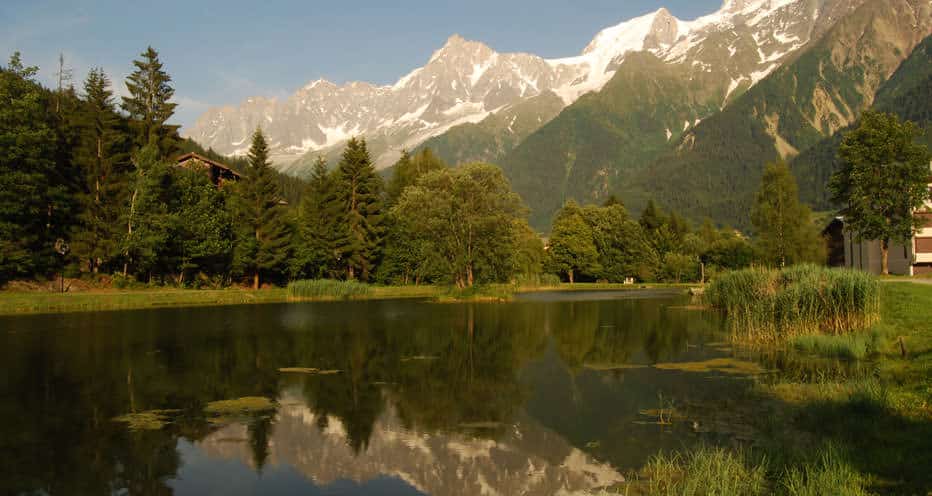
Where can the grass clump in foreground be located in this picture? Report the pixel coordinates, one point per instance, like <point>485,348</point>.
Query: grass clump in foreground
<point>707,470</point>
<point>768,305</point>
<point>328,289</point>
<point>855,346</point>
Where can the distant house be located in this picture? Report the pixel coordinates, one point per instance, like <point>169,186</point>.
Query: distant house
<point>912,258</point>
<point>219,173</point>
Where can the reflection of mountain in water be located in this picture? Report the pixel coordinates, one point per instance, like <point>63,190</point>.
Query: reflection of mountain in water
<point>525,459</point>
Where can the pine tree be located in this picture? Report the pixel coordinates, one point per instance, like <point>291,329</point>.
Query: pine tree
<point>28,149</point>
<point>101,156</point>
<point>263,248</point>
<point>148,105</point>
<point>360,189</point>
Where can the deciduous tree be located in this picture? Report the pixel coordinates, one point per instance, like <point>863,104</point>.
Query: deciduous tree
<point>883,180</point>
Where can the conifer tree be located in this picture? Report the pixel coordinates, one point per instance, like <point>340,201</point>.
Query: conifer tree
<point>263,248</point>
<point>101,156</point>
<point>360,189</point>
<point>28,149</point>
<point>321,224</point>
<point>148,103</point>
<point>409,168</point>
<point>785,233</point>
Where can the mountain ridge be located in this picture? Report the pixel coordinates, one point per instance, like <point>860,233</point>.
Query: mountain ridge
<point>465,82</point>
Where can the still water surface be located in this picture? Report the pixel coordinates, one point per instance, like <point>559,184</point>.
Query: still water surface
<point>544,395</point>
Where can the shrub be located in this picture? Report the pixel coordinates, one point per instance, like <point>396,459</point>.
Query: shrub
<point>327,289</point>
<point>772,305</point>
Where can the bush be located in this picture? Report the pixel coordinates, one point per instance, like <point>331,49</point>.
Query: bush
<point>772,305</point>
<point>327,289</point>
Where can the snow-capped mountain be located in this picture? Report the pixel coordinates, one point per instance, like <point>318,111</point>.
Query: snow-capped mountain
<point>466,81</point>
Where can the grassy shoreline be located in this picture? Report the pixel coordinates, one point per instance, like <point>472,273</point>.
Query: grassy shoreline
<point>37,302</point>
<point>822,430</point>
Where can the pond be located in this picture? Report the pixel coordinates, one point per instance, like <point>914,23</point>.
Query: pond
<point>552,393</point>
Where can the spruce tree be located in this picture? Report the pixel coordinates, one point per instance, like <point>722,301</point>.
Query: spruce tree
<point>360,189</point>
<point>148,103</point>
<point>322,226</point>
<point>101,155</point>
<point>262,250</point>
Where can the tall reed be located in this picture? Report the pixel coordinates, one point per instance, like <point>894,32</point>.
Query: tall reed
<point>327,289</point>
<point>773,305</point>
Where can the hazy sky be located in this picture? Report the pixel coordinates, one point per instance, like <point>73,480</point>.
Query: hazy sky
<point>220,52</point>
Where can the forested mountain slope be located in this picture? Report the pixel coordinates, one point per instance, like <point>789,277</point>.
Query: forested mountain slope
<point>907,94</point>
<point>715,168</point>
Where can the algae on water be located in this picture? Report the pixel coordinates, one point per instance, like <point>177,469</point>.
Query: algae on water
<point>307,371</point>
<point>724,365</point>
<point>240,406</point>
<point>151,420</point>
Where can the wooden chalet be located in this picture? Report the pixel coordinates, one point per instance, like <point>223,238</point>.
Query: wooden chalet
<point>219,173</point>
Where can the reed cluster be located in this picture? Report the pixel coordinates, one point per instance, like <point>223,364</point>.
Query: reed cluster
<point>318,289</point>
<point>768,305</point>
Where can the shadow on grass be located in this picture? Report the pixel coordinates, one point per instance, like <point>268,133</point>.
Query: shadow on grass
<point>878,439</point>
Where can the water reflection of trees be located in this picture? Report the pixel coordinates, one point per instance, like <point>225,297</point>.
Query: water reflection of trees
<point>444,367</point>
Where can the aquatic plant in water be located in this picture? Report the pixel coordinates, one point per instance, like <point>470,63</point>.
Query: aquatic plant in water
<point>768,305</point>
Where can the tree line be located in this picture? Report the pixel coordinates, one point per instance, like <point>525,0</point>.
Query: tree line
<point>78,169</point>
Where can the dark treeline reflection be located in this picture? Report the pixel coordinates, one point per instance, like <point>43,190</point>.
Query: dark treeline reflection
<point>440,367</point>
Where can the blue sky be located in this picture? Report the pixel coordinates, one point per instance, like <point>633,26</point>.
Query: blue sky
<point>220,52</point>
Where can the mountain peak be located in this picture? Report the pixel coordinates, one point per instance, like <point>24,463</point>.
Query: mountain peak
<point>663,31</point>
<point>455,40</point>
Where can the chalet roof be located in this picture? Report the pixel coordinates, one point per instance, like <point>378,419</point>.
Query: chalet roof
<point>200,158</point>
